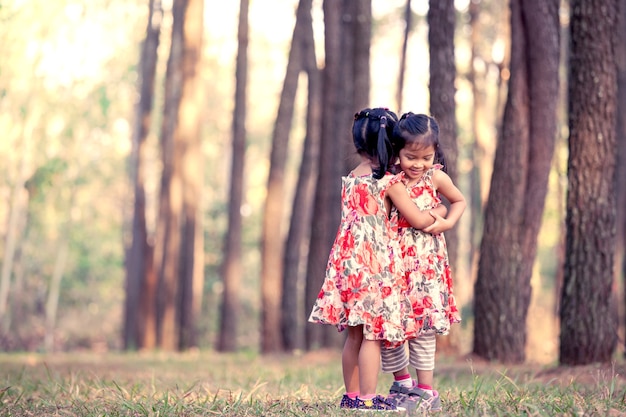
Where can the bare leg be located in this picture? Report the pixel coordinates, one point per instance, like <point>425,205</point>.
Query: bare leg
<point>350,358</point>
<point>369,366</point>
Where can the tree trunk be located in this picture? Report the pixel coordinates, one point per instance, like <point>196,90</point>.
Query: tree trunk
<point>441,25</point>
<point>359,47</point>
<point>293,312</point>
<point>231,265</point>
<point>519,184</point>
<point>354,71</point>
<point>327,193</point>
<point>588,319</point>
<point>620,169</point>
<point>137,322</point>
<point>272,236</point>
<point>169,225</point>
<point>17,210</point>
<point>408,14</point>
<point>54,290</point>
<point>188,138</point>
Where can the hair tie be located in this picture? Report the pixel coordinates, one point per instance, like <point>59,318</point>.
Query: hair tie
<point>383,121</point>
<point>362,114</point>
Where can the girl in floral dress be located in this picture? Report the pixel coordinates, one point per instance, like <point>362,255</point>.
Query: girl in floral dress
<point>425,259</point>
<point>362,290</point>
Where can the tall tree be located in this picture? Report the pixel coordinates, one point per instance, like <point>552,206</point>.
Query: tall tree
<point>15,221</point>
<point>620,170</point>
<point>408,14</point>
<point>188,134</point>
<point>345,88</point>
<point>441,24</point>
<point>588,316</point>
<point>271,236</point>
<point>231,264</point>
<point>292,303</point>
<point>175,226</point>
<point>357,44</point>
<point>140,306</point>
<point>519,183</point>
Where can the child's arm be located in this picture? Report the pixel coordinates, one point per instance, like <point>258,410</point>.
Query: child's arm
<point>417,218</point>
<point>444,185</point>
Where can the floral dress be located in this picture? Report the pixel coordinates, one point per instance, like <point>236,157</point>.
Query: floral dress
<point>426,265</point>
<point>364,284</point>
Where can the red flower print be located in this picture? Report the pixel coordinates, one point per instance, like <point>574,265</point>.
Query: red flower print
<point>364,202</point>
<point>345,295</point>
<point>347,245</point>
<point>332,314</point>
<point>385,291</point>
<point>418,309</point>
<point>377,325</point>
<point>367,257</point>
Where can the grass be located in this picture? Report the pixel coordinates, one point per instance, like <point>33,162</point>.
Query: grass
<point>246,384</point>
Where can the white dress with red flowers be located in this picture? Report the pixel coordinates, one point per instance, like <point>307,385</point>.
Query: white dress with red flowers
<point>425,258</point>
<point>364,284</point>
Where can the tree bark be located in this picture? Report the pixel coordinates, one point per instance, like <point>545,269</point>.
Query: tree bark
<point>231,265</point>
<point>620,169</point>
<point>408,14</point>
<point>139,311</point>
<point>293,312</point>
<point>272,244</point>
<point>519,184</point>
<point>169,225</point>
<point>188,135</point>
<point>17,211</point>
<point>441,24</point>
<point>327,194</point>
<point>588,316</point>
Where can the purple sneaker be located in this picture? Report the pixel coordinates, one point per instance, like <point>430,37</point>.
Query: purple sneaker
<point>378,403</point>
<point>417,398</point>
<point>347,402</point>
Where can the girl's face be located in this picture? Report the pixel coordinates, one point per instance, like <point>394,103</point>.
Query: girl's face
<point>416,159</point>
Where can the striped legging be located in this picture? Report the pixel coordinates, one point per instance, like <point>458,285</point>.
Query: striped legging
<point>421,354</point>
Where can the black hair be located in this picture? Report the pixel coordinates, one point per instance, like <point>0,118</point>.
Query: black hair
<point>418,129</point>
<point>371,131</point>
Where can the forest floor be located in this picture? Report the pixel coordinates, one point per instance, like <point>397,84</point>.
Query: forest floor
<point>206,383</point>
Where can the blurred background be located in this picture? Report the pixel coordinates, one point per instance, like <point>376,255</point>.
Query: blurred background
<point>79,146</point>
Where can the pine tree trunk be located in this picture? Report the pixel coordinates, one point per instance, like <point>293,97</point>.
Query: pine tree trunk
<point>272,244</point>
<point>294,262</point>
<point>327,194</point>
<point>519,184</point>
<point>188,134</point>
<point>620,170</point>
<point>231,264</point>
<point>588,316</point>
<point>139,322</point>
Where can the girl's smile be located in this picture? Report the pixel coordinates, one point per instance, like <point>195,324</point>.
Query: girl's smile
<point>414,161</point>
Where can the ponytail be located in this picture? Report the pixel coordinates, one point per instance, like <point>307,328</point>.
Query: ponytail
<point>371,133</point>
<point>382,148</point>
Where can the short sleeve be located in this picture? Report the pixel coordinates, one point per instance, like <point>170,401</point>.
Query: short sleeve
<point>394,179</point>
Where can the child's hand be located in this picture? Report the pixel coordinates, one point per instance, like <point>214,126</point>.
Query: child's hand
<point>439,226</point>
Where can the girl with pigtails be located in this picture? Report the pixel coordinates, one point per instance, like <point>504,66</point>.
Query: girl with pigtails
<point>363,290</point>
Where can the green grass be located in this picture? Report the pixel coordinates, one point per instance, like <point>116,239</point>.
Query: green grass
<point>246,384</point>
